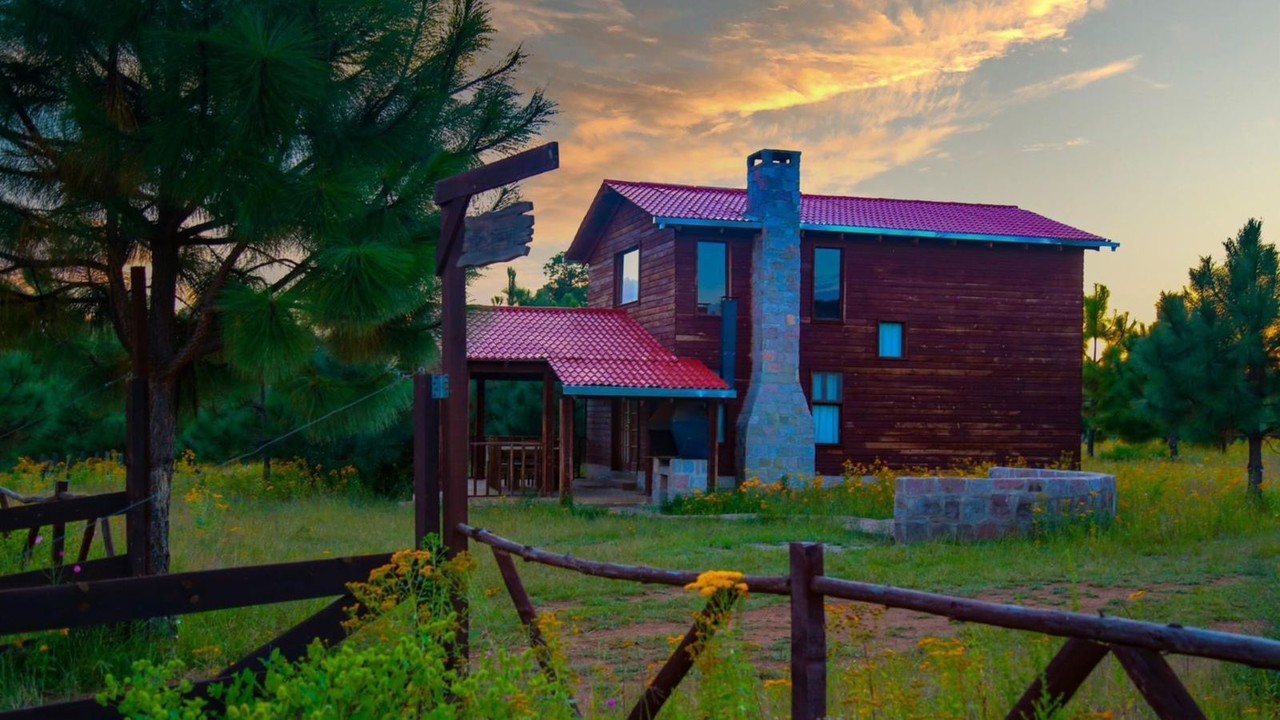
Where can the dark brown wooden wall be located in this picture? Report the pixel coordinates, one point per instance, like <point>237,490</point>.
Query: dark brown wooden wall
<point>993,359</point>
<point>698,334</point>
<point>630,227</point>
<point>993,338</point>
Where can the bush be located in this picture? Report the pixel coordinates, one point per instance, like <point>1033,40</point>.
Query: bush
<point>383,670</point>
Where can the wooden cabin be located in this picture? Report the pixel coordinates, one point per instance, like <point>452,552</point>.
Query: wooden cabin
<point>910,332</point>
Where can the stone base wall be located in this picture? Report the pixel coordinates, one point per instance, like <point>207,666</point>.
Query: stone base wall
<point>681,476</point>
<point>1008,502</point>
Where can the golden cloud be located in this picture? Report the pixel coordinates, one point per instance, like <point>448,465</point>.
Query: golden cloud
<point>679,94</point>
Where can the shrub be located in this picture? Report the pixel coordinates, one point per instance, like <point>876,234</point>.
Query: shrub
<point>401,674</point>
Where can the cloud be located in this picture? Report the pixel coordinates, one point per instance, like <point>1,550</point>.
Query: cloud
<point>682,92</point>
<point>1075,80</point>
<point>1064,145</point>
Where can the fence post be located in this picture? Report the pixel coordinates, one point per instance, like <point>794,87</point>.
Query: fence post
<point>808,635</point>
<point>138,430</point>
<point>58,545</point>
<point>426,459</point>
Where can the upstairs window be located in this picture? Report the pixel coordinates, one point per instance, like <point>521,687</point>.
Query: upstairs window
<point>828,395</point>
<point>827,291</point>
<point>892,340</point>
<point>713,276</point>
<point>627,276</point>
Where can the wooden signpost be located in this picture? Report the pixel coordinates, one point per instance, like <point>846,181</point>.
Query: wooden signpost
<point>501,235</point>
<point>466,242</point>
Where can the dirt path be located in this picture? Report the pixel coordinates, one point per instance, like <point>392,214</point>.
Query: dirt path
<point>624,647</point>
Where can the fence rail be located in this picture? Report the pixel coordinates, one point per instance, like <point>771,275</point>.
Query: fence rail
<point>79,604</point>
<point>1137,645</point>
<point>56,511</point>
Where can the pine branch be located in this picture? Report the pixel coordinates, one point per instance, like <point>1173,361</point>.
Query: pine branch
<point>193,349</point>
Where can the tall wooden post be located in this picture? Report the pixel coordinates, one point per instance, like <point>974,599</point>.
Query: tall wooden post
<point>566,449</point>
<point>476,452</point>
<point>548,431</point>
<point>507,237</point>
<point>808,635</point>
<point>138,529</point>
<point>426,459</point>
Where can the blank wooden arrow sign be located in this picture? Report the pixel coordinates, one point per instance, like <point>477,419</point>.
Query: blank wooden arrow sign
<point>497,236</point>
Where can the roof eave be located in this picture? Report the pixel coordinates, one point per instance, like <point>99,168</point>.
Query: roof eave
<point>584,241</point>
<point>647,392</point>
<point>1098,244</point>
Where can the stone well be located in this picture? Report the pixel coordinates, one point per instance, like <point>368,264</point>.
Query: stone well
<point>1008,502</point>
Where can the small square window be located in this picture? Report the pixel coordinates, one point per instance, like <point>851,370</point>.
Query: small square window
<point>828,396</point>
<point>892,340</point>
<point>627,276</point>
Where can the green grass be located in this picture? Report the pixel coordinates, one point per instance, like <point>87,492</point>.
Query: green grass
<point>1186,535</point>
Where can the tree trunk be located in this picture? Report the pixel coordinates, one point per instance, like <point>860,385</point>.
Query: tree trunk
<point>163,440</point>
<point>262,434</point>
<point>1089,436</point>
<point>1255,464</point>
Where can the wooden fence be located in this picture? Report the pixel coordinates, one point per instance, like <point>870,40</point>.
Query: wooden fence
<point>1138,646</point>
<point>56,512</point>
<point>79,604</point>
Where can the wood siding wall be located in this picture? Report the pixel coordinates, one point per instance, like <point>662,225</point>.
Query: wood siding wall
<point>631,227</point>
<point>992,351</point>
<point>698,334</point>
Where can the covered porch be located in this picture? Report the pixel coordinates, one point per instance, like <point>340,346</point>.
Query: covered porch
<point>534,371</point>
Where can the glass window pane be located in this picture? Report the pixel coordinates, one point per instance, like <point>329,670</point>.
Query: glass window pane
<point>826,284</point>
<point>891,340</point>
<point>712,276</point>
<point>826,424</point>
<point>826,387</point>
<point>629,282</point>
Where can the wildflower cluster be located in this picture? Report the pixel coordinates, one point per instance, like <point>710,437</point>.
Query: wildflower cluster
<point>411,576</point>
<point>714,581</point>
<point>855,493</point>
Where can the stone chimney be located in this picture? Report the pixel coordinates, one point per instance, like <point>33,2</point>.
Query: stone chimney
<point>775,427</point>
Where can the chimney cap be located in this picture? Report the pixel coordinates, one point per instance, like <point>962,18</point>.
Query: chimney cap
<point>769,156</point>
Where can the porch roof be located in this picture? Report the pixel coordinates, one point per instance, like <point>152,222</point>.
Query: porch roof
<point>593,351</point>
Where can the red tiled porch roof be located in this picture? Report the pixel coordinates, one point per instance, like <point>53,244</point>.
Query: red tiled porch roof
<point>586,348</point>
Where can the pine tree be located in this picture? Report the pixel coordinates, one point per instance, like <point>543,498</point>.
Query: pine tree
<point>1237,306</point>
<point>272,163</point>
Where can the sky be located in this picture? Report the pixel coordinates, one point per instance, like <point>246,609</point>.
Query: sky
<point>1153,123</point>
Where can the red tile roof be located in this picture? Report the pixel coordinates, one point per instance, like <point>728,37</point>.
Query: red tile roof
<point>584,346</point>
<point>685,202</point>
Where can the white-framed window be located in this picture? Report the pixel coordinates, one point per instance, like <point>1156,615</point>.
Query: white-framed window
<point>828,396</point>
<point>627,276</point>
<point>893,340</point>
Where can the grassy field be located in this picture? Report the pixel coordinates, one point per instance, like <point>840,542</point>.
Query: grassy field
<point>1187,547</point>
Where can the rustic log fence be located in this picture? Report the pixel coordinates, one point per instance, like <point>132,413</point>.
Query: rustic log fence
<point>80,604</point>
<point>56,511</point>
<point>1138,646</point>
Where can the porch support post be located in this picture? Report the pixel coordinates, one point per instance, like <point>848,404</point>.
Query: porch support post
<point>473,451</point>
<point>713,445</point>
<point>566,449</point>
<point>548,467</point>
<point>645,415</point>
